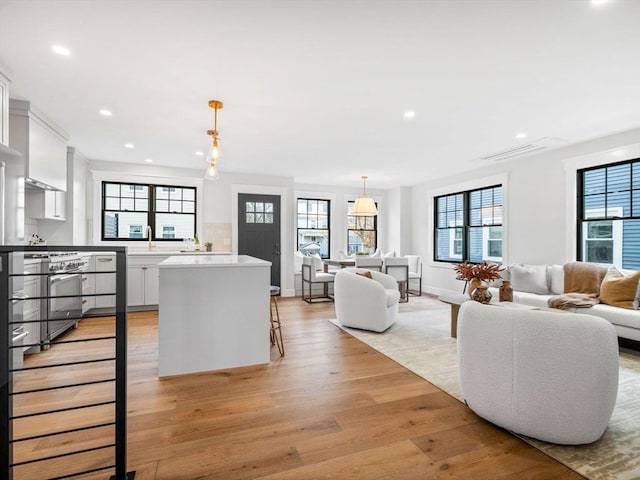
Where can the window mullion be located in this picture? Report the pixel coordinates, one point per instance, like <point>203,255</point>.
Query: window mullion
<point>151,212</point>
<point>466,220</point>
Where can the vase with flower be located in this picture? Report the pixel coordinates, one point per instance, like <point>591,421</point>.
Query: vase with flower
<point>477,276</point>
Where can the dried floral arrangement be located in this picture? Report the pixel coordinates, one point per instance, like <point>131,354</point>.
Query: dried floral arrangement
<point>484,271</point>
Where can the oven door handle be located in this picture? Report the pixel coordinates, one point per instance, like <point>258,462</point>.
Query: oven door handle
<point>19,337</point>
<point>61,278</point>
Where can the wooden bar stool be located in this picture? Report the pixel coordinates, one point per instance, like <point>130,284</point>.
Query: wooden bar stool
<point>275,334</point>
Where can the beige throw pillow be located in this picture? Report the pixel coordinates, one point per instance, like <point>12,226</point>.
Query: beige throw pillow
<point>618,289</point>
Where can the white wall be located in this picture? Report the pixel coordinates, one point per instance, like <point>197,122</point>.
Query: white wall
<point>339,197</point>
<point>217,204</point>
<point>399,221</point>
<point>78,207</point>
<point>539,200</point>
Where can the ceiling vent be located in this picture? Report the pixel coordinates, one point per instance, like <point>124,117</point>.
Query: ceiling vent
<point>543,143</point>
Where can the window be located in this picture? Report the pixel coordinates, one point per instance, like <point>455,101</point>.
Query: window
<point>127,208</point>
<point>313,231</point>
<point>258,212</point>
<point>609,214</point>
<point>469,226</point>
<point>362,232</point>
<point>168,231</point>
<point>135,231</point>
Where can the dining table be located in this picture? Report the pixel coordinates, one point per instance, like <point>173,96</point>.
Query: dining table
<point>342,263</point>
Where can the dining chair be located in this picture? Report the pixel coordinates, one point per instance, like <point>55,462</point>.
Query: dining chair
<point>398,268</point>
<point>415,273</point>
<point>370,263</point>
<point>312,274</point>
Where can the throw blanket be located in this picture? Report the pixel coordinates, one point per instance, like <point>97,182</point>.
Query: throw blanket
<point>569,300</point>
<point>583,277</point>
<point>582,282</point>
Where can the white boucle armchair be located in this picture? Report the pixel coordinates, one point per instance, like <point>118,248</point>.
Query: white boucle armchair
<point>366,303</point>
<point>547,375</point>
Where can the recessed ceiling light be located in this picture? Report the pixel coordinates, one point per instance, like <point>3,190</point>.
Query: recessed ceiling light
<point>148,160</point>
<point>60,50</point>
<point>599,2</point>
<point>409,114</point>
<point>618,153</point>
<point>199,153</point>
<point>521,135</point>
<point>106,113</point>
<point>129,145</point>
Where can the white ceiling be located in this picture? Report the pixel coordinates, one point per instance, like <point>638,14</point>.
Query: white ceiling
<point>316,90</point>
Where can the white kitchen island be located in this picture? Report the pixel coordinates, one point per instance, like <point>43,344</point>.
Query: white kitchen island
<point>213,313</point>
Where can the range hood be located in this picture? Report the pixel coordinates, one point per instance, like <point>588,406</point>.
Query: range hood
<point>9,152</point>
<point>32,184</point>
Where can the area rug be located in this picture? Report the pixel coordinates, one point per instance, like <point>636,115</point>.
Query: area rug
<point>420,341</point>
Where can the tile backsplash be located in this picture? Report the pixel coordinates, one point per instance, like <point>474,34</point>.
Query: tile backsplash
<point>219,234</point>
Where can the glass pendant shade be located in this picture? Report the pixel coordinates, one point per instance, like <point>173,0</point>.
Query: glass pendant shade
<point>214,151</point>
<point>212,172</point>
<point>212,157</point>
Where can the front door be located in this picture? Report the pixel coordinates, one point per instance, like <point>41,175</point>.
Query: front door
<point>259,229</point>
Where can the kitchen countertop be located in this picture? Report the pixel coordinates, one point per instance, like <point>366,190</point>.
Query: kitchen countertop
<point>212,261</point>
<point>172,252</point>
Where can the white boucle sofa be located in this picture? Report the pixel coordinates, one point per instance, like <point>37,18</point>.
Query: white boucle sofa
<point>540,289</point>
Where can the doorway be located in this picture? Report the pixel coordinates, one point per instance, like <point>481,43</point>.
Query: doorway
<point>259,229</point>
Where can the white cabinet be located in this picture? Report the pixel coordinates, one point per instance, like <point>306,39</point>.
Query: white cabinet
<point>4,109</point>
<point>41,141</point>
<point>46,204</point>
<point>105,282</point>
<point>89,287</point>
<point>143,280</point>
<point>31,307</point>
<point>135,286</point>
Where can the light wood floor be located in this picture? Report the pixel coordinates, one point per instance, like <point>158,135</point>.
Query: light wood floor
<point>331,408</point>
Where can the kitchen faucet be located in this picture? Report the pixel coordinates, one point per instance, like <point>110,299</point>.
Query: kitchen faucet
<point>149,233</point>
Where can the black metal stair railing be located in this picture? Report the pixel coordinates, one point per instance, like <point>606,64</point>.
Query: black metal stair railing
<point>39,406</point>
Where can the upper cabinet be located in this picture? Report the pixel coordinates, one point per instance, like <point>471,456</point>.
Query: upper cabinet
<point>42,142</point>
<point>4,109</point>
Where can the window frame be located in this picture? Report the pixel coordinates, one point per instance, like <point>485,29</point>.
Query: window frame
<point>150,212</point>
<point>374,229</point>
<point>464,225</point>
<point>328,229</point>
<point>615,215</point>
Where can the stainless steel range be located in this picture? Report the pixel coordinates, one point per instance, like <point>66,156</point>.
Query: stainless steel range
<point>63,287</point>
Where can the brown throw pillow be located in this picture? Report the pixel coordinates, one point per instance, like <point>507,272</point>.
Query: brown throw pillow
<point>365,274</point>
<point>618,289</point>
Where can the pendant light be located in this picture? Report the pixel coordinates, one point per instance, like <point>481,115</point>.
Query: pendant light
<point>214,151</point>
<point>365,206</point>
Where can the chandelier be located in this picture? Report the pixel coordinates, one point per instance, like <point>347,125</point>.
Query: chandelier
<point>365,206</point>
